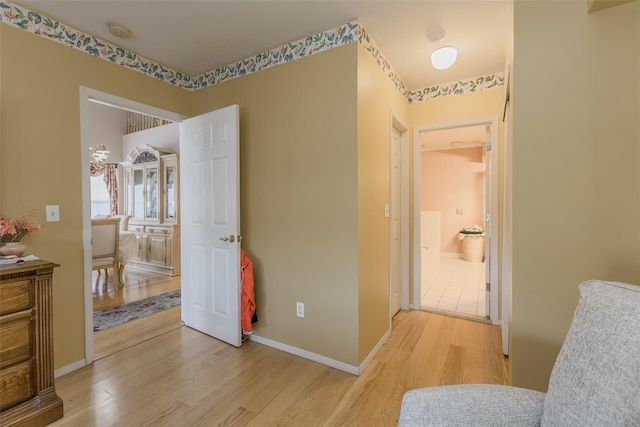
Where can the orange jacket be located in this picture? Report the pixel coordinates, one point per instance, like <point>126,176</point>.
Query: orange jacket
<point>247,301</point>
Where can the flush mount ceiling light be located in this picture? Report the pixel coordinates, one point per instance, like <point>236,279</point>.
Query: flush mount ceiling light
<point>444,57</point>
<point>119,31</point>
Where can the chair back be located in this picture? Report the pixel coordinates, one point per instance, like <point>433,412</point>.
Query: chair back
<point>124,221</point>
<point>105,236</point>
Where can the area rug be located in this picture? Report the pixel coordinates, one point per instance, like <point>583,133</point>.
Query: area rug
<point>124,313</point>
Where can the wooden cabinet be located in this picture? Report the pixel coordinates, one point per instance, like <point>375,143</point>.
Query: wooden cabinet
<point>152,199</point>
<point>157,249</point>
<point>27,387</point>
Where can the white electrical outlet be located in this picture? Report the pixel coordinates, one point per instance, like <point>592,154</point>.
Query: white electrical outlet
<point>300,309</point>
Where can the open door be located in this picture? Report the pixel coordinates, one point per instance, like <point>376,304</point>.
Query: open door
<point>210,224</point>
<point>487,220</point>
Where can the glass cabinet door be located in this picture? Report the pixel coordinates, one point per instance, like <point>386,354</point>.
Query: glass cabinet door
<point>170,192</point>
<point>152,201</point>
<point>137,203</point>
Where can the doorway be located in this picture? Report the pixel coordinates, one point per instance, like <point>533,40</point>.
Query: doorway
<point>88,96</point>
<point>445,280</point>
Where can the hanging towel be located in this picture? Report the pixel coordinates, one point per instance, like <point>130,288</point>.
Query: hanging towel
<point>247,302</point>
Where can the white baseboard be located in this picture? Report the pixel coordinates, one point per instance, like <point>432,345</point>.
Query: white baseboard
<point>69,368</point>
<point>373,352</point>
<point>354,370</point>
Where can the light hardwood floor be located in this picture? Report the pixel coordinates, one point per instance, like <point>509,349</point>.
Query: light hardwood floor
<point>139,285</point>
<point>185,378</point>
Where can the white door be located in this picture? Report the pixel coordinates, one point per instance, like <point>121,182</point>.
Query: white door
<point>210,224</point>
<point>506,238</point>
<point>487,221</point>
<point>394,196</point>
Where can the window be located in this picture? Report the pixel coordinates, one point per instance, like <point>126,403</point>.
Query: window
<point>100,200</point>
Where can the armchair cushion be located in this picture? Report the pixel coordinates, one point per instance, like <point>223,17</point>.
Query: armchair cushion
<point>471,405</point>
<point>596,377</point>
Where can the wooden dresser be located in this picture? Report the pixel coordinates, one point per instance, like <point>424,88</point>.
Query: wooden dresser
<point>27,389</point>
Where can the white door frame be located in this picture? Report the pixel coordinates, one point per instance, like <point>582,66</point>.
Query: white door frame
<point>87,95</point>
<point>493,209</point>
<point>405,246</point>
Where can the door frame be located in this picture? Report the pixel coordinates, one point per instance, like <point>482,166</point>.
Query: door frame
<point>493,210</point>
<point>91,95</point>
<point>403,264</point>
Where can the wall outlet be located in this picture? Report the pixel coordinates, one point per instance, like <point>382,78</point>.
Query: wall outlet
<point>300,309</point>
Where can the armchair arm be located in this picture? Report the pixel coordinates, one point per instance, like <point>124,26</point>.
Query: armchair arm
<point>471,405</point>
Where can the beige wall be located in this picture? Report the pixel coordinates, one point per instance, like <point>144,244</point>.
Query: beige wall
<point>40,161</point>
<point>377,99</point>
<point>576,182</point>
<point>298,197</point>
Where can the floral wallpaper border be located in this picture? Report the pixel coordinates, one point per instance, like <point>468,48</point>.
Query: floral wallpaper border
<point>350,32</point>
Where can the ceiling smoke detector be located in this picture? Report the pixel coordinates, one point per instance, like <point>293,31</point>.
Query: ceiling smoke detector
<point>119,31</point>
<point>437,36</point>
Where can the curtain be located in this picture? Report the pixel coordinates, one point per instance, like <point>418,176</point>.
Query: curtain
<point>111,179</point>
<point>108,170</point>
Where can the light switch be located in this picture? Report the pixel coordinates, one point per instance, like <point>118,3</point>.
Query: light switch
<point>386,210</point>
<point>53,213</point>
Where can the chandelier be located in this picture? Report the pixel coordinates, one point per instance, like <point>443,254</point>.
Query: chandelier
<point>98,157</point>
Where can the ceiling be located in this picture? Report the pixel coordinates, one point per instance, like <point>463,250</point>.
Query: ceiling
<point>453,138</point>
<point>198,36</point>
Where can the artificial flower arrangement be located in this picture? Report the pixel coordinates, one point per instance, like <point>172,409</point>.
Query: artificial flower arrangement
<point>471,229</point>
<point>13,230</point>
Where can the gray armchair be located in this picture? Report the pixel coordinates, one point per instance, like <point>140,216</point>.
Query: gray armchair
<point>594,382</point>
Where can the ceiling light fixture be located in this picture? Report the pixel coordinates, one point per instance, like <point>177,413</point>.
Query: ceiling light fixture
<point>119,31</point>
<point>444,57</point>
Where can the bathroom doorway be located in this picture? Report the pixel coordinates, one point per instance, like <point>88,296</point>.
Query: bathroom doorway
<point>456,273</point>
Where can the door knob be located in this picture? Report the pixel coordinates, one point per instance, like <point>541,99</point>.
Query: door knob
<point>230,239</point>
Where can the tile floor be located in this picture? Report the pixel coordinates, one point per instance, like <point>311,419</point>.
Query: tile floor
<point>456,285</point>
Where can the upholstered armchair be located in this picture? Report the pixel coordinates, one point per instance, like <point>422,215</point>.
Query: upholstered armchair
<point>594,382</point>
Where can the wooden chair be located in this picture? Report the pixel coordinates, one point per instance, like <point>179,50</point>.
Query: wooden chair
<point>105,237</point>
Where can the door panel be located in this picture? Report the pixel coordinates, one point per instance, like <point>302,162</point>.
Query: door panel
<point>209,146</point>
<point>488,221</point>
<point>394,184</point>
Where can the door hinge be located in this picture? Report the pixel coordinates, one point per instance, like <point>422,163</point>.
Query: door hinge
<point>488,147</point>
<point>487,217</point>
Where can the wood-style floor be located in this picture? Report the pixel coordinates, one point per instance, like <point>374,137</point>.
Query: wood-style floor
<point>139,285</point>
<point>185,378</point>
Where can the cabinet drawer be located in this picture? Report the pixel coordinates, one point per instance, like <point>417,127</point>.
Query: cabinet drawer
<point>136,228</point>
<point>165,231</point>
<point>15,384</point>
<point>15,338</point>
<point>15,296</point>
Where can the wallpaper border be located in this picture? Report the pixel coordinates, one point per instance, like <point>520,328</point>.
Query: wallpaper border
<point>46,27</point>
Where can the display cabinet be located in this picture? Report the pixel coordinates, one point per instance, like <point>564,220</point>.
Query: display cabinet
<point>151,179</point>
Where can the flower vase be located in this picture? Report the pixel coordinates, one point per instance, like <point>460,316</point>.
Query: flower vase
<point>13,248</point>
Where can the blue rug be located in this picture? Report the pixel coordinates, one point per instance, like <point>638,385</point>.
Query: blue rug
<point>124,313</point>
